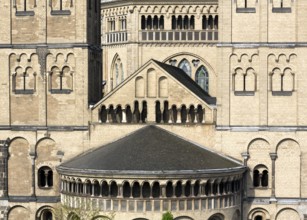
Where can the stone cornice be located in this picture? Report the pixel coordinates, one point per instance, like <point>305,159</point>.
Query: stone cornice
<point>152,174</point>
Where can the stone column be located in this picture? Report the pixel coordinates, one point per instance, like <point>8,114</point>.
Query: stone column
<point>163,190</point>
<point>32,155</point>
<point>273,158</point>
<point>178,116</point>
<point>124,119</point>
<point>4,161</point>
<point>245,156</point>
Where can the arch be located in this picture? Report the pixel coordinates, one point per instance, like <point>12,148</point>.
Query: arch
<point>103,114</point>
<point>276,80</point>
<point>136,190</point>
<point>196,188</point>
<point>163,87</point>
<point>249,80</point>
<point>158,112</point>
<point>146,190</point>
<point>19,151</point>
<point>113,189</point>
<point>126,190</point>
<point>217,216</point>
<point>18,212</point>
<point>287,213</point>
<point>45,213</point>
<point>185,66</point>
<point>73,216</point>
<point>287,80</point>
<point>117,71</point>
<point>151,83</point>
<point>183,218</point>
<point>258,212</point>
<point>187,189</point>
<point>139,87</point>
<point>156,190</point>
<point>169,189</point>
<point>202,78</point>
<point>178,189</point>
<point>105,188</point>
<point>288,150</point>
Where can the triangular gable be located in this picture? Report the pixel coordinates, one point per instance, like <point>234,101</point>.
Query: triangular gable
<point>155,84</point>
<point>173,73</point>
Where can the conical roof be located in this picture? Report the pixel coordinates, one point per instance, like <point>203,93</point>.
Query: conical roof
<point>149,150</point>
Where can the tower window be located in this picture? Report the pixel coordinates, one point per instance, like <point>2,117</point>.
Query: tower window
<point>45,177</point>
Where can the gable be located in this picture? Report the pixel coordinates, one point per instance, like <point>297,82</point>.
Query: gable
<point>155,87</point>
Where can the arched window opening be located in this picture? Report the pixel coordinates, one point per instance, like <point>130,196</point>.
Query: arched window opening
<point>174,22</point>
<point>208,189</point>
<point>149,23</point>
<point>192,114</point>
<point>256,178</point>
<point>187,189</point>
<point>202,78</point>
<point>126,190</point>
<point>196,188</point>
<point>45,177</point>
<point>185,66</point>
<point>156,190</point>
<point>232,186</point>
<point>183,114</point>
<point>161,23</point>
<point>174,113</point>
<point>88,187</point>
<point>143,22</point>
<point>265,178</point>
<point>165,112</point>
<point>146,190</point>
<point>103,114</point>
<point>104,189</point>
<point>155,22</point>
<point>200,114</point>
<point>113,189</point>
<point>216,22</point>
<point>79,186</point>
<point>111,113</point>
<point>214,188</point>
<point>136,113</point>
<point>158,112</point>
<point>258,217</point>
<point>178,189</point>
<point>192,22</point>
<point>210,22</point>
<point>46,215</point>
<point>186,22</point>
<point>204,22</point>
<point>128,114</point>
<point>119,114</point>
<point>96,188</point>
<point>169,189</point>
<point>221,188</point>
<point>136,190</point>
<point>179,23</point>
<point>144,112</point>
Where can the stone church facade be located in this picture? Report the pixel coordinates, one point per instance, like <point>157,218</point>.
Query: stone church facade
<point>143,107</point>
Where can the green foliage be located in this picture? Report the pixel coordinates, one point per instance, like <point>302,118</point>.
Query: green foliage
<point>167,216</point>
<point>84,209</point>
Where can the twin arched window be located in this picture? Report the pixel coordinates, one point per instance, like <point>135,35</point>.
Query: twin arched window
<point>260,177</point>
<point>201,74</point>
<point>118,72</point>
<point>45,177</point>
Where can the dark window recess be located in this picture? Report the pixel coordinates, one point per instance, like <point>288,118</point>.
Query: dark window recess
<point>246,10</point>
<point>60,91</point>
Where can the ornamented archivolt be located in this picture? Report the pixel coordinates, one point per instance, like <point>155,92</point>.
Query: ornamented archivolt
<point>60,72</point>
<point>24,68</point>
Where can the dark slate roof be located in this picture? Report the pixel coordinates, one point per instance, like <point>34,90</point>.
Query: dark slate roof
<point>187,81</point>
<point>149,149</point>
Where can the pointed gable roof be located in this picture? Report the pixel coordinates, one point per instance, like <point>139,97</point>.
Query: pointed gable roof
<point>149,150</point>
<point>187,81</point>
